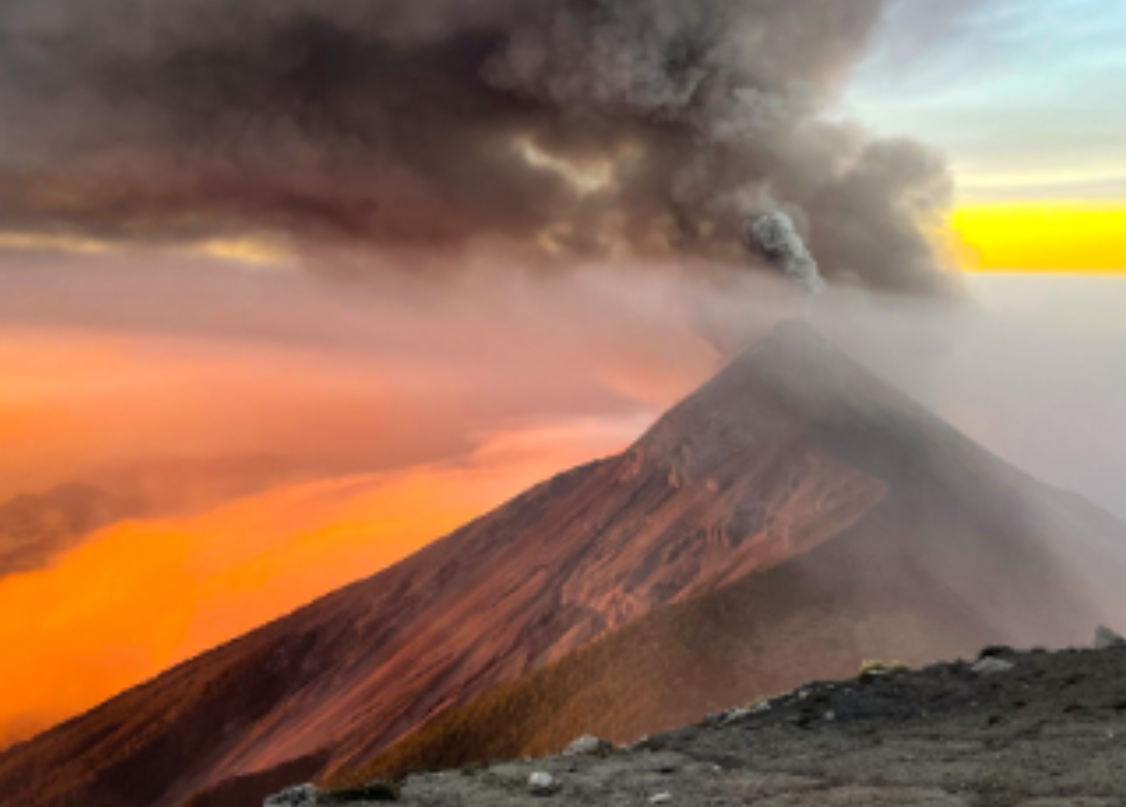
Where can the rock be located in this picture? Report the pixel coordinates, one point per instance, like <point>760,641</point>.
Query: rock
<point>296,796</point>
<point>542,783</point>
<point>996,651</point>
<point>875,669</point>
<point>371,792</point>
<point>992,666</point>
<point>588,745</point>
<point>1105,639</point>
<point>760,708</point>
<point>661,798</point>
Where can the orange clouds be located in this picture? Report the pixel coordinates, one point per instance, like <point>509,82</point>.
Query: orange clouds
<point>142,596</point>
<point>1048,237</point>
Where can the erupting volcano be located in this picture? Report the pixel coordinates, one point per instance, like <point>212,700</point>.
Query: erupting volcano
<point>792,517</point>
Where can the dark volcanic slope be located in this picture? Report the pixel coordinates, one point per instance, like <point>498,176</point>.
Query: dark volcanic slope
<point>791,446</point>
<point>1050,732</point>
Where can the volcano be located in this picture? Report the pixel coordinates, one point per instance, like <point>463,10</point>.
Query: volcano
<point>795,494</point>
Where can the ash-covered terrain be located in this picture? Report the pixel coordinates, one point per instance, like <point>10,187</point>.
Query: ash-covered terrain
<point>1008,729</point>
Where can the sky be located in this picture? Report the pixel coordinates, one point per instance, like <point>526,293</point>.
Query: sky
<point>1021,96</point>
<point>220,280</point>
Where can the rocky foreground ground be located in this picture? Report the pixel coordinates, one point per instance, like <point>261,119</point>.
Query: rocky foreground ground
<point>1010,729</point>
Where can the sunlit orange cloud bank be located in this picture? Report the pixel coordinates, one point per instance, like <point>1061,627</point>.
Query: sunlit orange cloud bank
<point>206,362</point>
<point>1042,237</point>
<point>139,597</point>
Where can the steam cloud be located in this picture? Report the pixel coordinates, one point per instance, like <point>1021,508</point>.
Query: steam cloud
<point>568,127</point>
<point>773,235</point>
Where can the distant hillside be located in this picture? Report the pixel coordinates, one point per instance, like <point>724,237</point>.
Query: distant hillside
<point>36,527</point>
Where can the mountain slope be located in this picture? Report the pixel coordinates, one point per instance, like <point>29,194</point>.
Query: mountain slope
<point>961,552</point>
<point>729,482</point>
<point>791,446</point>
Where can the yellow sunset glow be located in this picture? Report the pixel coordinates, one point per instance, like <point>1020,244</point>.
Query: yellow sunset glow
<point>1041,237</point>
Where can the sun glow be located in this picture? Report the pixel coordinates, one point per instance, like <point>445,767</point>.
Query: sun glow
<point>1041,237</point>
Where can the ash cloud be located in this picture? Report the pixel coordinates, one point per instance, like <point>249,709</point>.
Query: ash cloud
<point>580,128</point>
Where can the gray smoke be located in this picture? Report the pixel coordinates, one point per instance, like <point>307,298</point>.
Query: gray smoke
<point>564,127</point>
<point>774,236</point>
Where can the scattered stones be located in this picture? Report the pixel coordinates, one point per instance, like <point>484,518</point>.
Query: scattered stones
<point>588,746</point>
<point>542,783</point>
<point>1105,639</point>
<point>296,796</point>
<point>871,746</point>
<point>992,666</point>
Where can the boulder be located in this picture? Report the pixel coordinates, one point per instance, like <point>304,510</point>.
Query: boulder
<point>542,783</point>
<point>996,651</point>
<point>1105,639</point>
<point>993,666</point>
<point>588,745</point>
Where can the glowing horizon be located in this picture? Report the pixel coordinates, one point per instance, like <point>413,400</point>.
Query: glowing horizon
<point>1041,237</point>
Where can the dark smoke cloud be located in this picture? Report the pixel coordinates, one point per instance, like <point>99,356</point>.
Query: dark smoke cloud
<point>575,127</point>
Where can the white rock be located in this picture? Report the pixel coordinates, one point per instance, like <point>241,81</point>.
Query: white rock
<point>296,796</point>
<point>542,783</point>
<point>762,707</point>
<point>587,745</point>
<point>661,798</point>
<point>992,666</point>
<point>1105,639</point>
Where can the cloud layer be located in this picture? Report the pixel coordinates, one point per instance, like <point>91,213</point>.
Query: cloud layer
<point>582,127</point>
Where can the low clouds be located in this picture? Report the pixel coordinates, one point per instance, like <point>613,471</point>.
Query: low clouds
<point>583,128</point>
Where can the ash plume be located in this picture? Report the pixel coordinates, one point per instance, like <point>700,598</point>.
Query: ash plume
<point>566,127</point>
<point>774,235</point>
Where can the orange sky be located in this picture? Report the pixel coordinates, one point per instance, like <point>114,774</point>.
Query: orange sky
<point>141,596</point>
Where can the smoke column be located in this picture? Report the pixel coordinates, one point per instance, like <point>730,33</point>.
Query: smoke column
<point>774,235</point>
<point>564,129</point>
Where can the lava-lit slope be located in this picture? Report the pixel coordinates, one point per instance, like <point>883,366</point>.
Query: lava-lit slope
<point>731,481</point>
